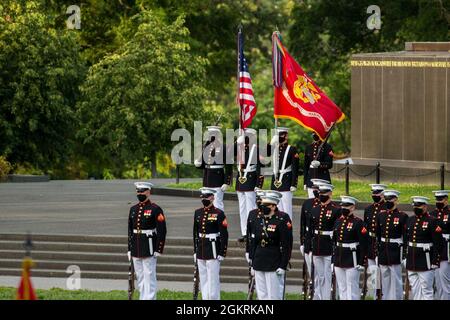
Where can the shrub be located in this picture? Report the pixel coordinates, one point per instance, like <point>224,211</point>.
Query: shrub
<point>5,168</point>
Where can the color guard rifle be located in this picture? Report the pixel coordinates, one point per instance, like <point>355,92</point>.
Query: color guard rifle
<point>196,282</point>
<point>364,288</point>
<point>130,279</point>
<point>251,284</point>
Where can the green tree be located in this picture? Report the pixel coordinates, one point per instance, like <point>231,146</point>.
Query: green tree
<point>135,97</point>
<point>40,70</point>
<point>325,33</point>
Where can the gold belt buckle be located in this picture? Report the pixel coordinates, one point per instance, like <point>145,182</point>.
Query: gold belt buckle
<point>277,183</point>
<point>242,180</point>
<point>263,243</point>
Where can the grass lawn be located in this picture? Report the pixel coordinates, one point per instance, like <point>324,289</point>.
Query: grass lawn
<point>359,190</point>
<point>8,293</point>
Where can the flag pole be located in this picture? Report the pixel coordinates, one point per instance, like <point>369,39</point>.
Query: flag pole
<point>239,147</point>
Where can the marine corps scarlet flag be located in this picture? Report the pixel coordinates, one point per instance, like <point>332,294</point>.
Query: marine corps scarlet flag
<point>297,97</point>
<point>25,290</point>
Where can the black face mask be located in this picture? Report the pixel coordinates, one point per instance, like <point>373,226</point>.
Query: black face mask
<point>345,211</point>
<point>376,199</point>
<point>265,209</point>
<point>141,197</point>
<point>390,205</point>
<point>440,205</point>
<point>316,194</point>
<point>206,202</point>
<point>324,198</point>
<point>418,211</point>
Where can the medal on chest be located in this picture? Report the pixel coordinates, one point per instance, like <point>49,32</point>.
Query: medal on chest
<point>212,217</point>
<point>349,226</point>
<point>396,221</point>
<point>425,225</point>
<point>271,227</point>
<point>147,213</point>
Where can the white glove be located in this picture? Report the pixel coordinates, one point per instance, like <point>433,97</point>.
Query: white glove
<point>433,267</point>
<point>332,267</point>
<point>197,163</point>
<point>224,187</point>
<point>293,189</point>
<point>275,140</point>
<point>256,189</point>
<point>280,272</point>
<point>220,258</point>
<point>304,187</point>
<point>195,258</point>
<point>315,164</point>
<point>240,140</point>
<point>247,257</point>
<point>129,255</point>
<point>404,263</point>
<point>302,250</point>
<point>157,254</point>
<point>360,268</point>
<point>252,271</point>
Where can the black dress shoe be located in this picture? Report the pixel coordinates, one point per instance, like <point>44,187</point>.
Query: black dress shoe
<point>241,239</point>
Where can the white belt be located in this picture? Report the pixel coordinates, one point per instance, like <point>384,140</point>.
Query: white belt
<point>446,236</point>
<point>214,166</point>
<point>324,233</point>
<point>149,232</point>
<point>210,236</point>
<point>424,246</point>
<point>396,240</point>
<point>252,168</point>
<point>288,169</point>
<point>352,245</point>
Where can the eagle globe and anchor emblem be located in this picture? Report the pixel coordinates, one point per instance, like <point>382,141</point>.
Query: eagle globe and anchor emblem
<point>305,90</point>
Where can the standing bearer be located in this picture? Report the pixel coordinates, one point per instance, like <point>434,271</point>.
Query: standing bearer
<point>442,213</point>
<point>391,238</point>
<point>350,240</point>
<point>251,221</point>
<point>271,241</point>
<point>249,177</point>
<point>370,218</point>
<point>285,164</point>
<point>210,244</point>
<point>322,222</point>
<point>317,163</point>
<point>146,237</point>
<point>305,218</point>
<point>424,239</point>
<point>216,173</point>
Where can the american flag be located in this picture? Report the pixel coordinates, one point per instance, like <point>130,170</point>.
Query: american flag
<point>245,92</point>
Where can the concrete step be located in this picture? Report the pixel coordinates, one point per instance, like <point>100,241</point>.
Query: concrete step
<point>123,267</point>
<point>103,239</point>
<point>73,257</point>
<point>176,250</point>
